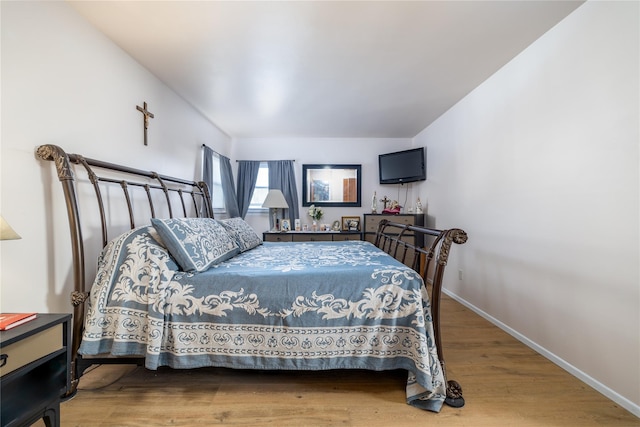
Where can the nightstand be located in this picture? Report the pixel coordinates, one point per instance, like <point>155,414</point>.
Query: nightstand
<point>35,370</point>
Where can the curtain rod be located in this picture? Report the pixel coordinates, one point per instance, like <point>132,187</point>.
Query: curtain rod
<point>205,145</point>
<point>263,160</point>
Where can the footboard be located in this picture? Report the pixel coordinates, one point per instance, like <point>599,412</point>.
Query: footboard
<point>430,261</point>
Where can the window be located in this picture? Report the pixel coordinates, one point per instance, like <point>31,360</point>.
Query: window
<point>217,196</point>
<point>262,188</point>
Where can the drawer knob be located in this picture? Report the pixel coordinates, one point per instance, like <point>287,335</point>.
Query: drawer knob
<point>3,359</point>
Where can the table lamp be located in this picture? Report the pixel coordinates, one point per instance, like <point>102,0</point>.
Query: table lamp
<point>6,232</point>
<point>274,201</point>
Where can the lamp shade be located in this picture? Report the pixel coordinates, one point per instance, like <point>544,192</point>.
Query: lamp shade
<point>275,199</point>
<point>6,232</point>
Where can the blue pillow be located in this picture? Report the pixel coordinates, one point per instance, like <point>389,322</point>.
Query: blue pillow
<point>196,243</point>
<point>244,235</point>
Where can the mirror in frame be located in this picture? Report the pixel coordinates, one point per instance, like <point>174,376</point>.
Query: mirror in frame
<point>331,185</point>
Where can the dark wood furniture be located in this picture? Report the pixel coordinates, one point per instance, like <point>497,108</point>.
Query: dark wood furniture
<point>403,241</point>
<point>36,370</point>
<point>311,236</point>
<point>372,221</point>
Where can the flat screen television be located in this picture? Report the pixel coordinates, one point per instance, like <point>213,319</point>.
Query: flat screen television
<point>402,166</point>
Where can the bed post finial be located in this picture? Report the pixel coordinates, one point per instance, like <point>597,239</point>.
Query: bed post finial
<point>59,157</point>
<point>65,175</point>
<point>454,235</point>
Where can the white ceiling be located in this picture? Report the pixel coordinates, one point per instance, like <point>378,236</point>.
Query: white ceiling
<point>323,68</point>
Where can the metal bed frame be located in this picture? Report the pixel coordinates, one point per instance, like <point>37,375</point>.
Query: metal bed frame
<point>198,204</point>
<point>391,237</point>
<point>430,262</point>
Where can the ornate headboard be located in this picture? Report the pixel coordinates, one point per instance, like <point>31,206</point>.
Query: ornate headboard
<point>174,197</point>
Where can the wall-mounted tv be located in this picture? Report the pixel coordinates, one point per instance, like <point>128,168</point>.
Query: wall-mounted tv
<point>403,166</point>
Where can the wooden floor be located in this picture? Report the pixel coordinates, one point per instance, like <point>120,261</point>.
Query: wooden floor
<point>505,384</point>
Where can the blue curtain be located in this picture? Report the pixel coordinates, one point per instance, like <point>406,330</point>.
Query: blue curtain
<point>247,178</point>
<point>226,176</point>
<point>207,170</point>
<point>228,187</point>
<point>282,177</point>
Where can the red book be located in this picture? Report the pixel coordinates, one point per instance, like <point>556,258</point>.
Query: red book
<point>11,320</point>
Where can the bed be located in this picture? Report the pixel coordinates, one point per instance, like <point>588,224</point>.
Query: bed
<point>189,291</point>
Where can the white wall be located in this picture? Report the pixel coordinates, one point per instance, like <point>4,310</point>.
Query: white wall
<point>539,165</point>
<point>64,83</point>
<point>363,151</point>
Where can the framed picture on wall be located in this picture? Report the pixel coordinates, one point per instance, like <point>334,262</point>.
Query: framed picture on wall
<point>350,223</point>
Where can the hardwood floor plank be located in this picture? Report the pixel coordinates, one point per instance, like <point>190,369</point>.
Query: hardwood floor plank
<point>505,383</point>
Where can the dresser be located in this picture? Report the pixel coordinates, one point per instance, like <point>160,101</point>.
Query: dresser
<point>35,370</point>
<point>311,236</point>
<point>371,222</point>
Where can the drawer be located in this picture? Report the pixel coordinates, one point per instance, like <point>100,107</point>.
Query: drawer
<point>277,237</point>
<point>409,220</point>
<point>371,226</point>
<point>343,237</point>
<point>372,222</point>
<point>316,237</point>
<point>32,348</point>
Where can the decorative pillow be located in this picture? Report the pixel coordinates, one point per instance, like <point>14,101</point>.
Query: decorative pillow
<point>245,236</point>
<point>136,262</point>
<point>196,243</point>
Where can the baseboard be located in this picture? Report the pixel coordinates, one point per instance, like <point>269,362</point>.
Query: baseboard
<point>596,385</point>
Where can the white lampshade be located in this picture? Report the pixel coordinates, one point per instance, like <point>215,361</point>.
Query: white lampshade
<point>275,199</point>
<point>6,232</point>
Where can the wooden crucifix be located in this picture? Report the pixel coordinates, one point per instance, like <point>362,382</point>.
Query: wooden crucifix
<point>146,114</point>
<point>385,201</point>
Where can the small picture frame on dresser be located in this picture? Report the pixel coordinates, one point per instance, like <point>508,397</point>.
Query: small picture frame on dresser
<point>285,225</point>
<point>350,223</point>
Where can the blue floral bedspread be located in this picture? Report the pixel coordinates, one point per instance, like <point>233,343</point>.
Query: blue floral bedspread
<point>294,306</point>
